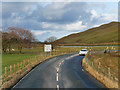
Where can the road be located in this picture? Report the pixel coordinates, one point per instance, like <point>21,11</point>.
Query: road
<point>64,71</point>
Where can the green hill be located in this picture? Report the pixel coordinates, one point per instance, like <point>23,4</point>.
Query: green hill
<point>106,33</point>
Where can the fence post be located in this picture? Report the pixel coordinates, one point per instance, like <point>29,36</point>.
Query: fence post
<point>10,69</point>
<point>5,71</point>
<point>109,72</point>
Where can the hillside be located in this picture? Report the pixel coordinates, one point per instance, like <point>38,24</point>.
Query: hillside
<point>106,33</point>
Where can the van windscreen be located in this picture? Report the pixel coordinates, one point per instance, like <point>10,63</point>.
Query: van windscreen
<point>83,50</point>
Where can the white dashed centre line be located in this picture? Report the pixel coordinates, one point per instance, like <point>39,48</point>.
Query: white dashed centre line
<point>57,69</point>
<point>57,77</point>
<point>59,64</point>
<point>57,87</point>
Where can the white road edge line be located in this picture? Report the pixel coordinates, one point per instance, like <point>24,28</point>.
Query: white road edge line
<point>57,69</point>
<point>57,77</point>
<point>22,79</point>
<point>82,69</point>
<point>57,87</point>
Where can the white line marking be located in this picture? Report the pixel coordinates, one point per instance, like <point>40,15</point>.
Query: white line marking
<point>57,77</point>
<point>22,78</point>
<point>82,69</point>
<point>59,64</point>
<point>63,61</point>
<point>57,69</point>
<point>57,87</point>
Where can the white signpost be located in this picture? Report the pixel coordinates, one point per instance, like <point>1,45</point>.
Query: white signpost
<point>48,48</point>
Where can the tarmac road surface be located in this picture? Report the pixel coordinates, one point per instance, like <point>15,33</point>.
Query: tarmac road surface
<point>64,71</point>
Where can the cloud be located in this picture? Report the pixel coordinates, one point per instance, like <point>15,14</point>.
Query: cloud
<point>68,27</point>
<point>38,32</point>
<point>94,15</point>
<point>62,18</point>
<point>97,18</point>
<point>60,13</point>
<point>76,26</point>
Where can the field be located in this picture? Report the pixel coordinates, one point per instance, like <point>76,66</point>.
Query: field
<point>11,59</point>
<point>8,59</point>
<point>15,57</point>
<point>106,63</point>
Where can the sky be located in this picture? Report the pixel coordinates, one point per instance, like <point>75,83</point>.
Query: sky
<point>46,19</point>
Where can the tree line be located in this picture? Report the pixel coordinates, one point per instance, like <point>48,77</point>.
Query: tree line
<point>17,38</point>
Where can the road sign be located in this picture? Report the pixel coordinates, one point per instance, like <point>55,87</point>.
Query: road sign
<point>47,48</point>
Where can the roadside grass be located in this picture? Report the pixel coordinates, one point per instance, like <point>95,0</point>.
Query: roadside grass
<point>15,57</point>
<point>108,63</point>
<point>11,59</point>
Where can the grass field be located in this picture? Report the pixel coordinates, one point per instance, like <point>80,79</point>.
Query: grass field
<point>8,59</point>
<point>11,59</point>
<point>108,63</point>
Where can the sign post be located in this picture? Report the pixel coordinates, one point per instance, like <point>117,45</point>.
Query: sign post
<point>48,48</point>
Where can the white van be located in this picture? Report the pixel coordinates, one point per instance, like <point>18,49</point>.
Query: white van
<point>83,52</point>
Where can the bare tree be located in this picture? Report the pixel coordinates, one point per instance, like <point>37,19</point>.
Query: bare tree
<point>51,39</point>
<point>5,41</point>
<point>19,37</point>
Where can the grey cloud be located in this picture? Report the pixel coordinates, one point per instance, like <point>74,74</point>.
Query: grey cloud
<point>58,13</point>
<point>68,13</point>
<point>21,9</point>
<point>32,15</point>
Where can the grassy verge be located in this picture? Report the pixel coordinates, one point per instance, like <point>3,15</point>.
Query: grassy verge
<point>108,63</point>
<point>104,67</point>
<point>11,59</point>
<point>100,76</point>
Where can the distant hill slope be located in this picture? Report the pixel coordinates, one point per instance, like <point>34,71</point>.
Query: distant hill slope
<point>107,33</point>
